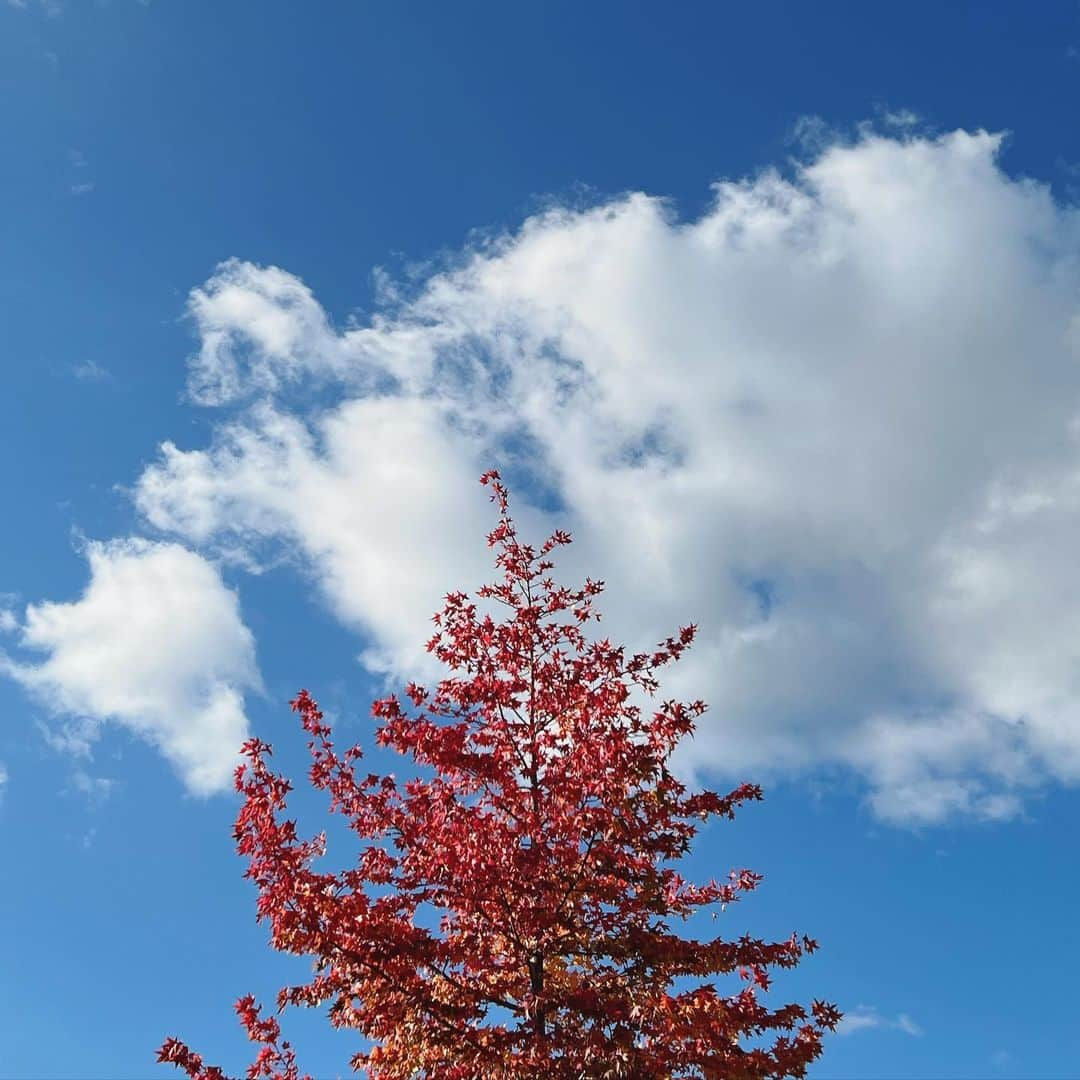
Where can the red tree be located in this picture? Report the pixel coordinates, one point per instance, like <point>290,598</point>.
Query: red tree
<point>544,839</point>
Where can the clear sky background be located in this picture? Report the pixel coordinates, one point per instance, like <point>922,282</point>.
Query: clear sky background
<point>776,307</point>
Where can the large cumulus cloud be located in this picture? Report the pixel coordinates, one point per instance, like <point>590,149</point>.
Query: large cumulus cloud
<point>833,420</point>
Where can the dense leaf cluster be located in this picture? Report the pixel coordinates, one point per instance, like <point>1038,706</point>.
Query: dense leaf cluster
<point>544,838</point>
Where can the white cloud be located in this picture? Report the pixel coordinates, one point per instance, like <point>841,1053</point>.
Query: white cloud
<point>833,420</point>
<point>900,118</point>
<point>259,331</point>
<point>155,644</point>
<point>370,501</point>
<point>864,1018</point>
<point>95,788</point>
<point>74,735</point>
<point>52,8</point>
<point>89,371</point>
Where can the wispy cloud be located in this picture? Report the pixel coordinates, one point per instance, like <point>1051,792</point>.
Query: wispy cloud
<point>52,8</point>
<point>72,735</point>
<point>90,371</point>
<point>78,162</point>
<point>900,118</point>
<point>865,1017</point>
<point>96,788</point>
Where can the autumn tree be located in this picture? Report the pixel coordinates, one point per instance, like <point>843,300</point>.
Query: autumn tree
<point>513,911</point>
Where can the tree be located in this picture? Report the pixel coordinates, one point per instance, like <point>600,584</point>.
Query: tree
<point>542,831</point>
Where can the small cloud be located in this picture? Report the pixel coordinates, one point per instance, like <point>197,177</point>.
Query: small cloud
<point>77,158</point>
<point>865,1017</point>
<point>75,736</point>
<point>155,644</point>
<point>9,623</point>
<point>858,1019</point>
<point>900,118</point>
<point>908,1026</point>
<point>82,189</point>
<point>95,788</point>
<point>52,8</point>
<point>88,371</point>
<point>811,134</point>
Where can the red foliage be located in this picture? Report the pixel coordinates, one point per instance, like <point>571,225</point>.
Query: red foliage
<point>544,838</point>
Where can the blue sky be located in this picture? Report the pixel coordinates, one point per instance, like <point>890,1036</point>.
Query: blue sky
<point>757,300</point>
